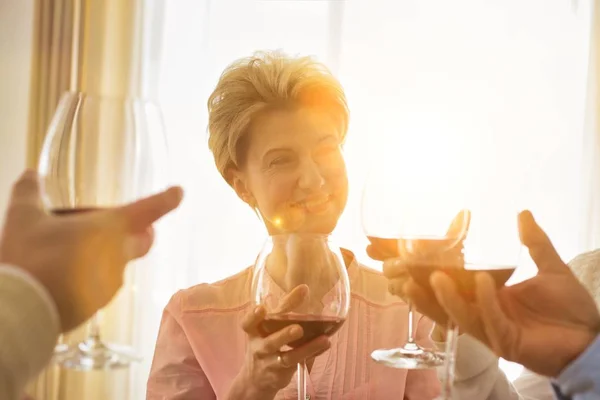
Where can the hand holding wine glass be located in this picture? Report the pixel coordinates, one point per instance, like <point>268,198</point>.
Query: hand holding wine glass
<point>100,152</point>
<point>411,195</point>
<point>412,232</point>
<point>267,369</point>
<point>79,258</point>
<point>302,292</point>
<point>543,323</point>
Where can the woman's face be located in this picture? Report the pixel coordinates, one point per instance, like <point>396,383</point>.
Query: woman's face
<point>294,173</point>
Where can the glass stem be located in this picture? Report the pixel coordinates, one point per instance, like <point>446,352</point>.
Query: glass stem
<point>410,338</point>
<point>94,328</point>
<point>450,361</point>
<point>302,380</point>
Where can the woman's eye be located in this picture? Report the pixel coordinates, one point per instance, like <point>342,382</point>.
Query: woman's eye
<point>279,161</point>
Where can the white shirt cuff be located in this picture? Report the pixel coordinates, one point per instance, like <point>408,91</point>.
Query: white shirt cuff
<point>472,357</point>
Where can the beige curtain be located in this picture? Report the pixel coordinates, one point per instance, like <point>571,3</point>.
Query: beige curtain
<point>50,66</point>
<point>50,76</point>
<point>91,46</point>
<point>86,45</point>
<point>591,161</point>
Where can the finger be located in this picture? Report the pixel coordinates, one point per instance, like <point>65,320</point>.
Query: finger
<point>382,248</point>
<point>540,247</point>
<point>294,299</point>
<point>466,316</point>
<point>374,253</point>
<point>308,350</point>
<point>459,227</point>
<point>27,188</point>
<point>430,251</point>
<point>143,213</point>
<point>502,333</point>
<point>395,267</point>
<point>379,254</point>
<point>252,320</point>
<point>396,286</point>
<point>274,342</point>
<point>425,302</point>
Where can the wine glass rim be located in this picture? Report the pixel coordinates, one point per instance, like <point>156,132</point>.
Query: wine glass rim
<point>302,235</point>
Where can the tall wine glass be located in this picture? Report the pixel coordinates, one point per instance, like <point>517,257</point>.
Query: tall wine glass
<point>432,204</point>
<point>312,264</point>
<point>100,152</point>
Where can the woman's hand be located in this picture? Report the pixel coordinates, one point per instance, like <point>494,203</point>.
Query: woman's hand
<point>396,270</point>
<point>266,368</point>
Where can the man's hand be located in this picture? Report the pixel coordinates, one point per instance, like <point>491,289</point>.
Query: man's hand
<point>543,323</point>
<point>79,258</point>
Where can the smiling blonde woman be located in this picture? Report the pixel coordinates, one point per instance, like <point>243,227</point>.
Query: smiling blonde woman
<point>277,125</point>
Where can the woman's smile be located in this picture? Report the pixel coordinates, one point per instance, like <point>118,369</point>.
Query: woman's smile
<point>318,205</point>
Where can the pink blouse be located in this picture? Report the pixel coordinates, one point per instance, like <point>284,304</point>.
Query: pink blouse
<point>201,346</point>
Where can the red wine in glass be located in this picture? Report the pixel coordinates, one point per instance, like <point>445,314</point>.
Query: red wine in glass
<point>68,211</point>
<point>312,326</point>
<point>287,262</point>
<point>417,247</point>
<point>447,259</point>
<point>464,278</point>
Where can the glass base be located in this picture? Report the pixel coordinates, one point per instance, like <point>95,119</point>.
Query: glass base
<point>411,356</point>
<point>93,354</point>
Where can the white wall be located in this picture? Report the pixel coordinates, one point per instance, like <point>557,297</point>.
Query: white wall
<point>16,22</point>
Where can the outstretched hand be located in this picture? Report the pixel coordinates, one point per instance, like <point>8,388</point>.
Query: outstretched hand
<point>79,258</point>
<point>543,323</point>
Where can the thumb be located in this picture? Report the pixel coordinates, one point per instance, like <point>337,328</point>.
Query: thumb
<point>294,299</point>
<point>540,247</point>
<point>459,227</point>
<point>26,189</point>
<point>252,320</point>
<point>140,215</point>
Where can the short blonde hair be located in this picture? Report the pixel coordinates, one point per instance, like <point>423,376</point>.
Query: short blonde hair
<point>267,80</point>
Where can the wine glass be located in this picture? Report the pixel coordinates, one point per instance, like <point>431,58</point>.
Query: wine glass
<point>399,231</point>
<point>100,152</point>
<point>432,203</point>
<point>301,279</point>
<point>490,244</point>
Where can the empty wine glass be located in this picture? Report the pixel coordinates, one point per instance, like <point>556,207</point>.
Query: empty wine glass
<point>100,152</point>
<point>301,279</point>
